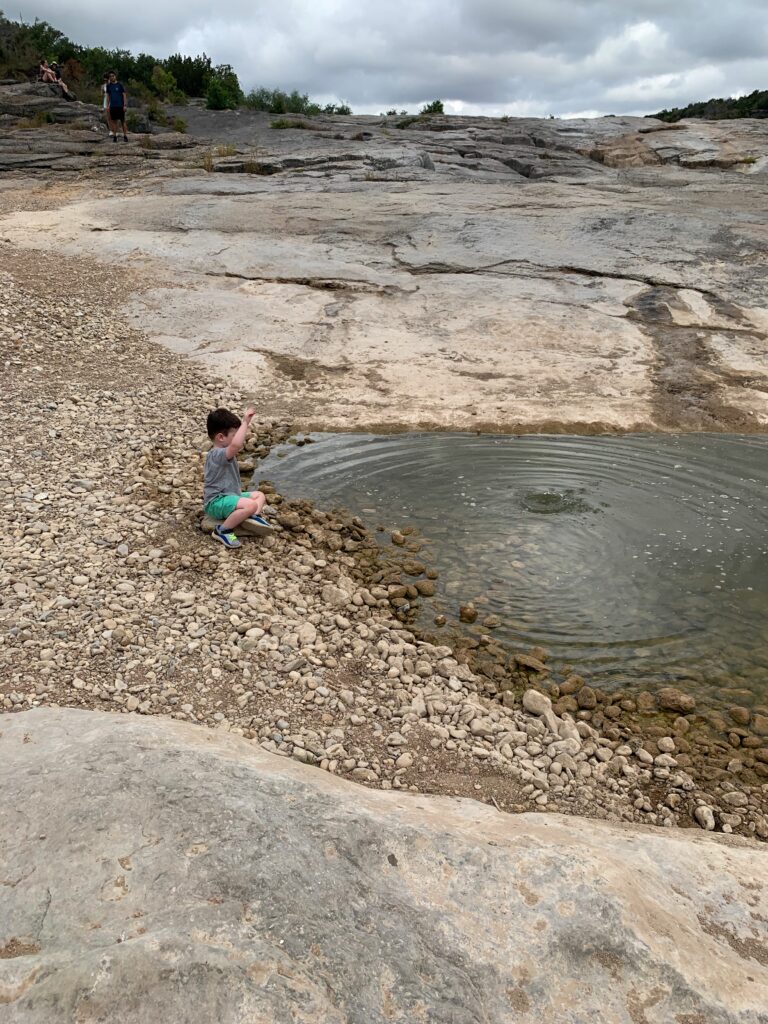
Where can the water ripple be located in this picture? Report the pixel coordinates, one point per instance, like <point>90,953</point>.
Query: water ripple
<point>639,558</point>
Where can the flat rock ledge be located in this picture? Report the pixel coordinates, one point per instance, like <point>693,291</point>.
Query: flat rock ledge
<point>154,870</point>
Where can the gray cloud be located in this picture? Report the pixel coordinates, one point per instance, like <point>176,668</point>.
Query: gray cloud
<point>522,57</point>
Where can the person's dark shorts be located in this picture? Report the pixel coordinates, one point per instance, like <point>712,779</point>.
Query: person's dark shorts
<point>117,114</point>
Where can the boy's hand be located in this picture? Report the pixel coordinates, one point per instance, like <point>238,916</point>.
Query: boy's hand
<point>249,414</point>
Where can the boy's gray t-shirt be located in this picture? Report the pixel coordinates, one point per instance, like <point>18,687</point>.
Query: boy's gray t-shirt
<point>221,475</point>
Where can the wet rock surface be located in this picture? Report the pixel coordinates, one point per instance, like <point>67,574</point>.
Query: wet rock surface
<point>153,868</point>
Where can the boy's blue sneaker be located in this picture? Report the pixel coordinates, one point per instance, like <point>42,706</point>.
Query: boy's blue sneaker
<point>227,538</point>
<point>259,519</point>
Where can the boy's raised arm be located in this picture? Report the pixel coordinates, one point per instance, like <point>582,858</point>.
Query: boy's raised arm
<point>238,440</point>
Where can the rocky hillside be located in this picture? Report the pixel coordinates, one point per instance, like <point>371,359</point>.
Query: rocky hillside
<point>440,272</point>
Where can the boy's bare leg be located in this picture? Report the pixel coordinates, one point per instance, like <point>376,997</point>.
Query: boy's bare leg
<point>245,508</point>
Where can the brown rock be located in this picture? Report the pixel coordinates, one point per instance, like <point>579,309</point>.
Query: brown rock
<point>425,587</point>
<point>571,685</point>
<point>527,661</point>
<point>468,612</point>
<point>646,703</point>
<point>671,699</point>
<point>440,620</point>
<point>760,725</point>
<point>740,715</point>
<point>586,698</point>
<point>289,520</point>
<point>761,753</point>
<point>567,703</point>
<point>398,538</point>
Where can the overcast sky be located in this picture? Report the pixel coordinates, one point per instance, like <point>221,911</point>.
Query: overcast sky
<point>519,57</point>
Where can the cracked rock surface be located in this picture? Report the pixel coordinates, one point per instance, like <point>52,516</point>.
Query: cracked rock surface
<point>460,273</point>
<point>196,877</point>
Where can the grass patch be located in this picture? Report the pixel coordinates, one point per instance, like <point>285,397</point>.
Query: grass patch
<point>38,120</point>
<point>748,160</point>
<point>283,122</point>
<point>225,150</point>
<point>179,125</point>
<point>207,161</point>
<point>254,167</point>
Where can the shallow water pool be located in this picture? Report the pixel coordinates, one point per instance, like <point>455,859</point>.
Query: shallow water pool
<point>637,559</point>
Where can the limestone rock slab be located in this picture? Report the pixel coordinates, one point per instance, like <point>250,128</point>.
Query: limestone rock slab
<point>153,870</point>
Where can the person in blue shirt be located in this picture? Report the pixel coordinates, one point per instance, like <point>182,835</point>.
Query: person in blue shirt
<point>117,99</point>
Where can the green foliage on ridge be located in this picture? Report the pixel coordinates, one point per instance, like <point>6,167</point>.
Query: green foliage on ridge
<point>753,105</point>
<point>276,101</point>
<point>149,79</point>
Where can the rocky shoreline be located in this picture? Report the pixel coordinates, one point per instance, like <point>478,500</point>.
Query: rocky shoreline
<point>113,599</point>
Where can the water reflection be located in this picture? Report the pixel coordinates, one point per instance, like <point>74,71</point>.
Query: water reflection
<point>641,558</point>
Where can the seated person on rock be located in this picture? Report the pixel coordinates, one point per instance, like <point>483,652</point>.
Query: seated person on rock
<point>52,76</point>
<point>223,497</point>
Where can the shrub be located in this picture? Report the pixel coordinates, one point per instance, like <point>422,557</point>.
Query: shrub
<point>206,161</point>
<point>134,122</point>
<point>165,87</point>
<point>283,122</point>
<point>224,92</point>
<point>276,101</point>
<point>42,117</point>
<point>225,150</point>
<point>216,98</point>
<point>179,125</point>
<point>435,107</point>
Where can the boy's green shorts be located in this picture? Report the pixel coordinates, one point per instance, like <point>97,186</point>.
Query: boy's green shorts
<point>223,506</point>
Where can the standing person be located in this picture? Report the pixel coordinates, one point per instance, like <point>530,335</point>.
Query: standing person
<point>105,101</point>
<point>118,100</point>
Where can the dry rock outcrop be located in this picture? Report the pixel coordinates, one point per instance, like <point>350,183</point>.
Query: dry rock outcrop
<point>156,870</point>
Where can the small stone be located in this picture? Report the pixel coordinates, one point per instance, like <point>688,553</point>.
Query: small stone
<point>740,715</point>
<point>536,703</point>
<point>666,745</point>
<point>468,612</point>
<point>404,761</point>
<point>760,725</point>
<point>586,698</point>
<point>736,799</point>
<point>395,739</point>
<point>334,596</point>
<point>705,818</point>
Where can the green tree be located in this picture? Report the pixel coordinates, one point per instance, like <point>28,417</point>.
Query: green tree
<point>165,87</point>
<point>435,107</point>
<point>224,92</point>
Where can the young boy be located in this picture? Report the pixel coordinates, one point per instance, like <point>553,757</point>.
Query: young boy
<point>223,497</point>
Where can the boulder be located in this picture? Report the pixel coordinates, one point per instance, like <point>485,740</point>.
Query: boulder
<point>155,870</point>
<point>671,699</point>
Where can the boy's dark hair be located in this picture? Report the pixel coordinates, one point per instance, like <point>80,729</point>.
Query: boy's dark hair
<point>220,421</point>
